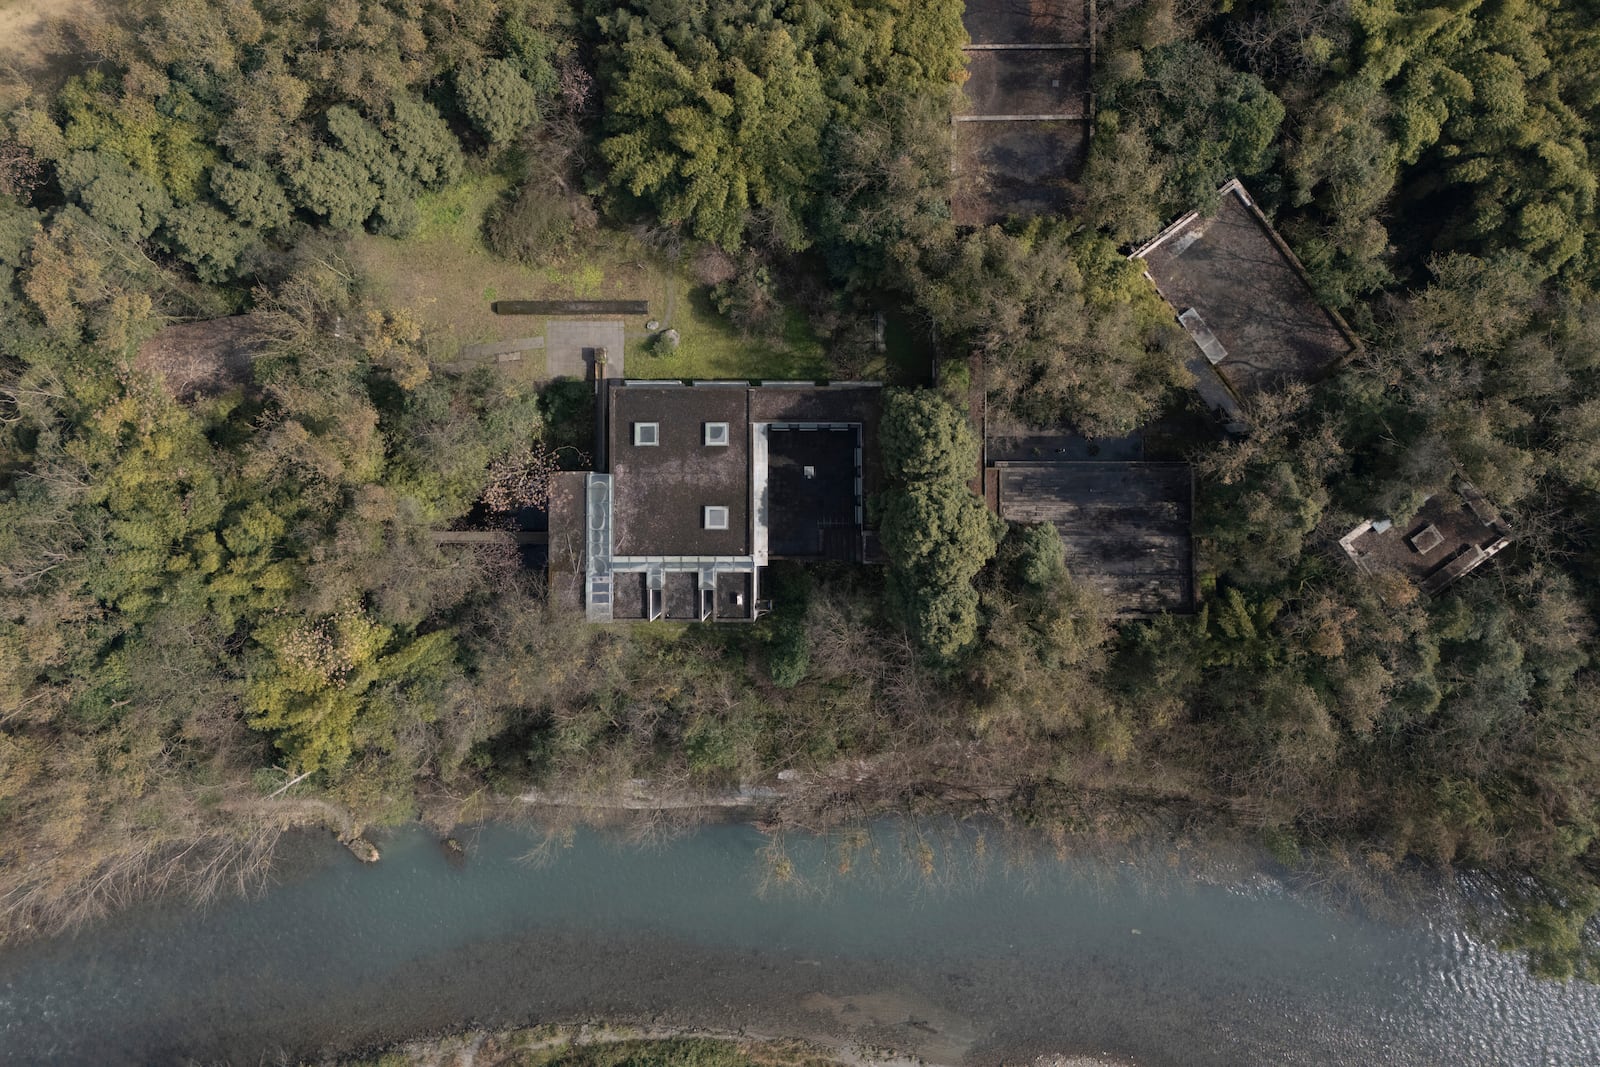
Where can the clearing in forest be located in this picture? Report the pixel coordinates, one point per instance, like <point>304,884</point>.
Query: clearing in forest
<point>1025,131</point>
<point>21,21</point>
<point>448,277</point>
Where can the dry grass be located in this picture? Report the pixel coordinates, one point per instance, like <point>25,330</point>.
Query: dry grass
<point>32,47</point>
<point>22,20</point>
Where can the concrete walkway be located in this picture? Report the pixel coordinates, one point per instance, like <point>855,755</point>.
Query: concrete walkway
<point>570,346</point>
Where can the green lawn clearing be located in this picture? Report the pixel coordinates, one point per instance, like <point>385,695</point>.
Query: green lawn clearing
<point>446,275</point>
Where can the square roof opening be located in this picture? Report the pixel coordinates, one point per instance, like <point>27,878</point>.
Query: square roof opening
<point>716,518</point>
<point>1427,539</point>
<point>716,434</point>
<point>646,433</point>
<point>814,490</point>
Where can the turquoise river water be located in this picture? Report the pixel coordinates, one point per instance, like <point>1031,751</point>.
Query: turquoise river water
<point>961,955</point>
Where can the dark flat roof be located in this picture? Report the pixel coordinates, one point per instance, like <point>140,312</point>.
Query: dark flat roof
<point>1027,21</point>
<point>830,403</point>
<point>811,494</point>
<point>566,563</point>
<point>1452,534</point>
<point>659,492</point>
<point>1125,526</point>
<point>1251,292</point>
<point>1027,82</point>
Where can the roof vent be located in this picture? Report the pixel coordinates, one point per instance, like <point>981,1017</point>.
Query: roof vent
<point>1427,539</point>
<point>716,518</point>
<point>646,433</point>
<point>716,433</point>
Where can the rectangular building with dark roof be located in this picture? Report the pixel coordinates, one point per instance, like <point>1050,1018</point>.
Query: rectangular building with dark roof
<point>705,484</point>
<point>1245,301</point>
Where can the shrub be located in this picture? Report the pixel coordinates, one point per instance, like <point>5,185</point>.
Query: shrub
<point>747,299</point>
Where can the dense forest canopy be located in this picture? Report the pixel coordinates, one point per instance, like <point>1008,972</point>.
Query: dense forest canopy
<point>222,611</point>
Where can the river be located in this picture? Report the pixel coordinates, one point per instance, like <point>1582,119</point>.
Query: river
<point>960,954</point>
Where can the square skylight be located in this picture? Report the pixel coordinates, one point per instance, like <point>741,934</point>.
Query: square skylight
<point>716,433</point>
<point>1427,539</point>
<point>647,433</point>
<point>716,518</point>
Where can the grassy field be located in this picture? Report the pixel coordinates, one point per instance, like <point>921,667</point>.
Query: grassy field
<point>448,276</point>
<point>711,348</point>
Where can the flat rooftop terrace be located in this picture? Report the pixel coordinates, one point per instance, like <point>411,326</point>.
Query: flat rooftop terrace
<point>1028,81</point>
<point>1126,527</point>
<point>661,489</point>
<point>1025,131</point>
<point>1015,168</point>
<point>1257,320</point>
<point>1003,22</point>
<point>702,483</point>
<point>814,492</point>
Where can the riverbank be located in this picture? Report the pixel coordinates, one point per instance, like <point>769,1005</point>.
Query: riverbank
<point>610,1044</point>
<point>235,853</point>
<point>1210,839</point>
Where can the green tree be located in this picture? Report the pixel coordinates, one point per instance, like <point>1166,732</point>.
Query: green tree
<point>113,194</point>
<point>496,98</point>
<point>940,529</point>
<point>1070,331</point>
<point>252,195</point>
<point>936,533</point>
<point>322,686</point>
<point>17,227</point>
<point>1494,124</point>
<point>1207,121</point>
<point>424,147</point>
<point>206,239</point>
<point>713,120</point>
<point>1123,182</point>
<point>924,439</point>
<point>334,184</point>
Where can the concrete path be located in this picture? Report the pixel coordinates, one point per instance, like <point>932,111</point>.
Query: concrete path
<point>570,346</point>
<point>502,351</point>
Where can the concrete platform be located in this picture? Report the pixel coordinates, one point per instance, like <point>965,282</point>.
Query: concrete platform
<point>570,346</point>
